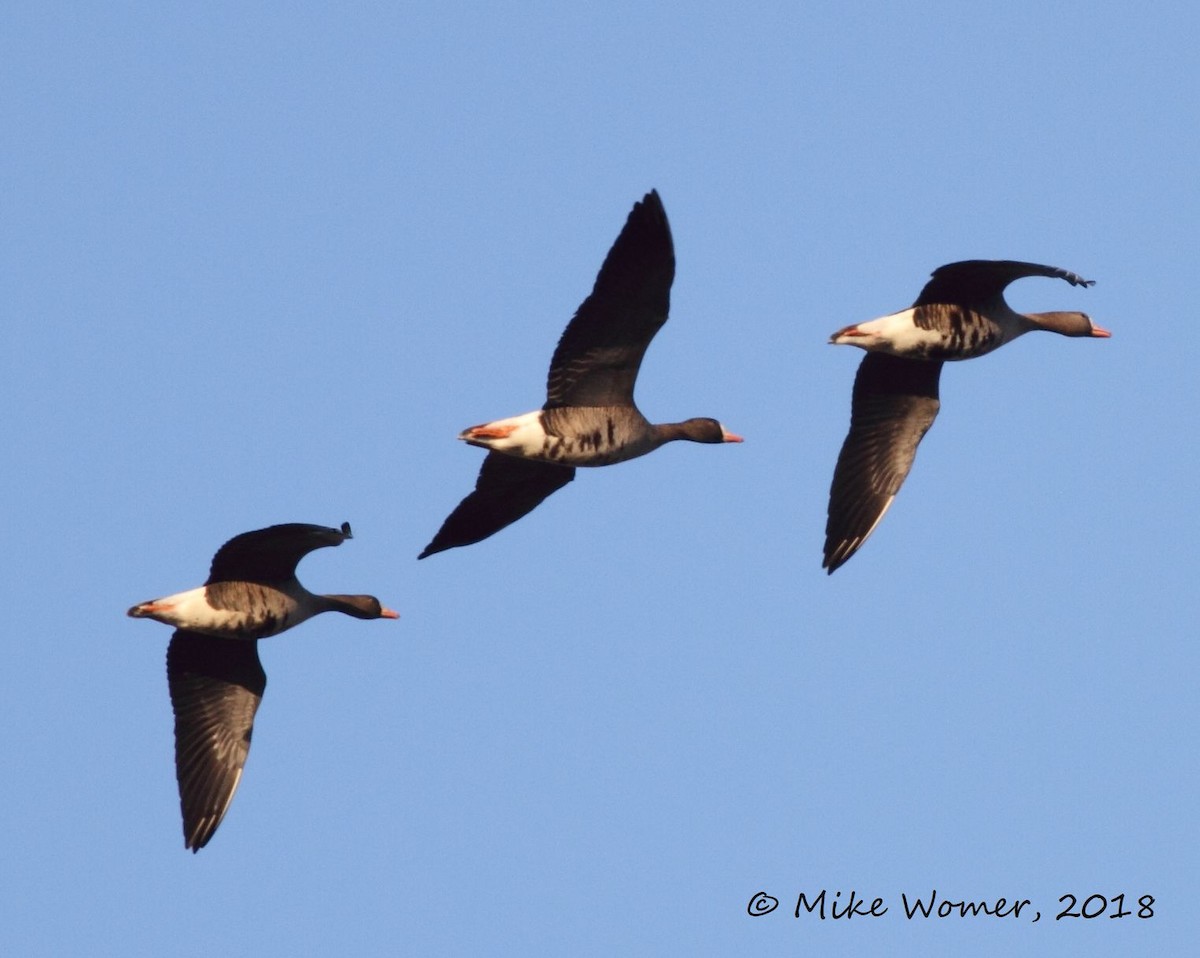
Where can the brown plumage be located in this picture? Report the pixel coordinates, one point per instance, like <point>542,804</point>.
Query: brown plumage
<point>213,672</point>
<point>589,417</point>
<point>960,314</point>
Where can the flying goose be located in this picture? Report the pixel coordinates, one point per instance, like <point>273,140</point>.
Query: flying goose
<point>213,671</point>
<point>960,314</point>
<point>589,418</point>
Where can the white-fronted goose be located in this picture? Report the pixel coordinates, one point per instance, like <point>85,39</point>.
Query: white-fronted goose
<point>960,314</point>
<point>589,418</point>
<point>213,671</point>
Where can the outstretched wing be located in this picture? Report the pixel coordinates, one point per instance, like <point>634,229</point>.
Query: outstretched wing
<point>216,685</point>
<point>601,350</point>
<point>271,554</point>
<point>895,402</point>
<point>507,489</point>
<point>978,281</point>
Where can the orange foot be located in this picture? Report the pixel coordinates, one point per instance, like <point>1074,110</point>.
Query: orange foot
<point>489,432</point>
<point>151,608</point>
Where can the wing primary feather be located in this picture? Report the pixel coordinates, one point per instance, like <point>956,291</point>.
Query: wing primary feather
<point>216,685</point>
<point>507,489</point>
<point>599,354</point>
<point>895,402</point>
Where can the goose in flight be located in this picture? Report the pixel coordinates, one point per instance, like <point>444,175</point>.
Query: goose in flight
<point>213,672</point>
<point>589,418</point>
<point>960,314</point>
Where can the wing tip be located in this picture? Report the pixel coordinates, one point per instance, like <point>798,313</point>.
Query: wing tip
<point>838,556</point>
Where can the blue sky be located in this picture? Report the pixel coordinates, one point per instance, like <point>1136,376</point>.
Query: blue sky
<point>263,265</point>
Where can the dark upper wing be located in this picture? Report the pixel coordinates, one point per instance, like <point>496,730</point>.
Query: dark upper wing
<point>507,489</point>
<point>271,554</point>
<point>982,280</point>
<point>598,356</point>
<point>216,685</point>
<point>895,403</point>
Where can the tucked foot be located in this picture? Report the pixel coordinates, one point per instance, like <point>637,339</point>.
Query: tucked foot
<point>150,608</point>
<point>847,332</point>
<point>488,431</point>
